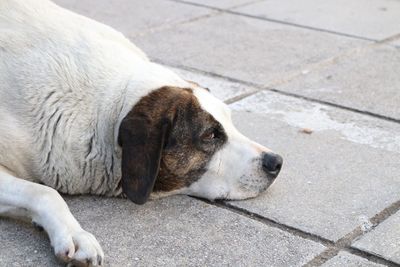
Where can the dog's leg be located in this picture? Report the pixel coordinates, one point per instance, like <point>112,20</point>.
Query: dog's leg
<point>47,208</point>
<point>10,211</point>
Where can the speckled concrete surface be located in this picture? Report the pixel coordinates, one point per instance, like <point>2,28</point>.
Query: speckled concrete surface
<point>347,259</point>
<point>384,240</point>
<point>329,107</point>
<point>326,186</point>
<point>168,232</point>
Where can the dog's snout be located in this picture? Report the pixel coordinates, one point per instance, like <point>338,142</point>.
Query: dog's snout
<point>272,163</point>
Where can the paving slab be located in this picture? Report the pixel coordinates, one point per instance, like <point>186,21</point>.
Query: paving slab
<point>347,259</point>
<point>374,19</point>
<point>21,245</point>
<point>224,4</point>
<point>396,42</point>
<point>221,88</point>
<point>176,231</point>
<point>243,48</point>
<point>340,168</point>
<point>384,240</point>
<point>135,17</point>
<point>368,80</point>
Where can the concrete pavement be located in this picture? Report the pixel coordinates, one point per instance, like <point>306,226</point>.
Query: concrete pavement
<point>332,67</point>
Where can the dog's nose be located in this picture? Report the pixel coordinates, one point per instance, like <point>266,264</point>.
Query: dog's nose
<point>272,164</point>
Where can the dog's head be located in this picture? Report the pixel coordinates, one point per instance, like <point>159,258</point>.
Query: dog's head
<point>182,141</point>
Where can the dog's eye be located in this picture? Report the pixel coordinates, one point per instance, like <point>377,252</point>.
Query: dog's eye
<point>210,135</point>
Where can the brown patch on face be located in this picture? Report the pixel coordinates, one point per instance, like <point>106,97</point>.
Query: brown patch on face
<point>169,139</point>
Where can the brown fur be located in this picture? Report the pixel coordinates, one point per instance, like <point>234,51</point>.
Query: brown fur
<point>165,142</point>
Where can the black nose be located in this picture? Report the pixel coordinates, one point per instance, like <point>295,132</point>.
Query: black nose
<point>272,164</point>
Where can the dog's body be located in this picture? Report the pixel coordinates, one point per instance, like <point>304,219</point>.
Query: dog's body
<point>55,78</point>
<point>82,110</point>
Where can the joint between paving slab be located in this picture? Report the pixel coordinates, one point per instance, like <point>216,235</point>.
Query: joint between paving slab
<point>345,242</point>
<point>217,8</point>
<point>258,88</point>
<point>302,26</point>
<point>232,12</point>
<point>371,257</point>
<point>385,213</point>
<point>333,248</point>
<point>172,25</point>
<point>270,222</point>
<point>246,4</point>
<point>240,97</point>
<point>332,251</point>
<point>211,74</point>
<point>355,110</point>
<point>390,39</point>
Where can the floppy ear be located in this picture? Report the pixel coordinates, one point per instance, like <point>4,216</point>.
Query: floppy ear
<point>142,141</point>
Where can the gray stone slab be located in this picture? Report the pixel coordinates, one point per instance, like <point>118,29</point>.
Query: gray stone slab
<point>177,231</point>
<point>135,17</point>
<point>225,4</point>
<point>368,80</point>
<point>396,42</point>
<point>374,19</point>
<point>384,240</point>
<point>333,179</point>
<point>347,259</point>
<point>244,48</point>
<point>21,245</point>
<point>222,89</point>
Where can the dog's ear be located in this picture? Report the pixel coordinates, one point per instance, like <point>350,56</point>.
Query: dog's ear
<point>142,141</point>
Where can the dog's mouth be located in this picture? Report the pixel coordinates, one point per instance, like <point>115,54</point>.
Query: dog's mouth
<point>256,184</point>
<point>248,191</point>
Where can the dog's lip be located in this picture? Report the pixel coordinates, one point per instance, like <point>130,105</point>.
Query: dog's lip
<point>273,175</point>
<point>271,179</point>
<point>270,183</point>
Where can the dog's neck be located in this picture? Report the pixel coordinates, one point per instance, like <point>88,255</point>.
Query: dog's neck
<point>145,78</point>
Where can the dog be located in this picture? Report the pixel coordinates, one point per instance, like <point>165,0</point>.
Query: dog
<point>84,111</point>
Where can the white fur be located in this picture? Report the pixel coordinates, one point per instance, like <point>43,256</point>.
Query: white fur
<point>66,83</point>
<point>234,171</point>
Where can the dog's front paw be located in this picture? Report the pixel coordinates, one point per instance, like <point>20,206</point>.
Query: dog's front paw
<point>79,248</point>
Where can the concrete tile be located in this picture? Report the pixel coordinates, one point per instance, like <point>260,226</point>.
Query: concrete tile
<point>374,19</point>
<point>243,48</point>
<point>21,245</point>
<point>225,4</point>
<point>222,89</point>
<point>396,43</point>
<point>134,17</point>
<point>347,259</point>
<point>177,231</point>
<point>332,179</point>
<point>383,240</point>
<point>367,80</point>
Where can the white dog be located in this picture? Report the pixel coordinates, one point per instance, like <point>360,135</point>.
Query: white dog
<point>83,111</point>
